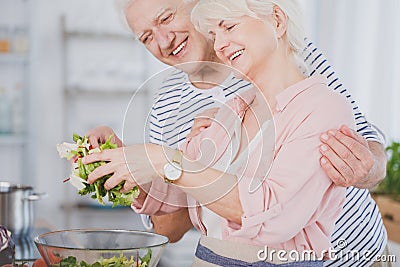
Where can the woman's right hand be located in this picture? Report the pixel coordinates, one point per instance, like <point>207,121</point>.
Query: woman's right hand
<point>101,134</point>
<point>202,121</point>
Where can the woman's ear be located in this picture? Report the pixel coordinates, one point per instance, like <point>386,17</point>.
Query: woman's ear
<point>281,20</point>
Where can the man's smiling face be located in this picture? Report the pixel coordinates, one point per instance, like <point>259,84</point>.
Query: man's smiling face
<point>164,27</point>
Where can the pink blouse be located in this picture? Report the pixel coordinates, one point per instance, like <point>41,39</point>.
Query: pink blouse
<point>291,204</point>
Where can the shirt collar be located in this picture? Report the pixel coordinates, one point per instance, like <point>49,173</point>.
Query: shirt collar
<point>285,97</point>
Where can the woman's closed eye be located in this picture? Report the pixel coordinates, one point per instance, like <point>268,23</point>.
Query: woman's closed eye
<point>230,27</point>
<point>167,18</point>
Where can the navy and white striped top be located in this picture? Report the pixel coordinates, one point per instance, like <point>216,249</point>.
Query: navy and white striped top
<point>359,228</point>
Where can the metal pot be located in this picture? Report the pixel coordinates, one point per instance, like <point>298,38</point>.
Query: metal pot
<point>16,209</point>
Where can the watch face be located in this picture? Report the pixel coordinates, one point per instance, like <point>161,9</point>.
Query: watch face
<point>172,171</point>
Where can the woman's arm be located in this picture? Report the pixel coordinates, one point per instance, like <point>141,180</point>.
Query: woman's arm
<point>216,190</point>
<point>159,198</point>
<point>296,186</point>
<point>222,192</point>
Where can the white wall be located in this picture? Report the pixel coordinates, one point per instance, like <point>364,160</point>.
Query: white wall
<point>361,39</point>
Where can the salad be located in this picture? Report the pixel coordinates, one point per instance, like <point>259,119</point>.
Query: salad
<point>121,261</point>
<point>80,172</point>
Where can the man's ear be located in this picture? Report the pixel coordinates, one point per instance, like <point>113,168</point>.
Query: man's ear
<point>281,21</point>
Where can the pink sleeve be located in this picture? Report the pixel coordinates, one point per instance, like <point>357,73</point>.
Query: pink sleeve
<point>165,198</point>
<point>162,198</point>
<point>296,186</point>
<point>211,143</point>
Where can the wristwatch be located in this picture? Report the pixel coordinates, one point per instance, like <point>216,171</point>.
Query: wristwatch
<point>173,169</point>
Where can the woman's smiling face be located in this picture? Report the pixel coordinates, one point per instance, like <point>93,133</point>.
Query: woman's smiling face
<point>245,43</point>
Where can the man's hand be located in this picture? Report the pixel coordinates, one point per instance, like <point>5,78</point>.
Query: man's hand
<point>101,134</point>
<point>349,160</point>
<point>201,122</point>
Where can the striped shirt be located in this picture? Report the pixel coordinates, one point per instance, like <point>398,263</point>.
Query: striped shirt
<point>359,227</point>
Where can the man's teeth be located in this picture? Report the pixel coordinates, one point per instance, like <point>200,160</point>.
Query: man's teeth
<point>179,48</point>
<point>236,54</point>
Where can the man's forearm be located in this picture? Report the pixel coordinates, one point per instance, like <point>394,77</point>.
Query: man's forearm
<point>173,225</point>
<point>378,171</point>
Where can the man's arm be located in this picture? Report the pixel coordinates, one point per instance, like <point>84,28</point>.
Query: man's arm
<point>378,171</point>
<point>173,225</point>
<point>350,160</point>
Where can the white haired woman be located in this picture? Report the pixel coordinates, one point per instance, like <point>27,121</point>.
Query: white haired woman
<point>296,206</point>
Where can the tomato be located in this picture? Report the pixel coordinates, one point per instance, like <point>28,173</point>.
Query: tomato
<point>39,263</point>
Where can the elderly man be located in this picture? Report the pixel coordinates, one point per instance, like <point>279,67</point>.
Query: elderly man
<point>354,160</point>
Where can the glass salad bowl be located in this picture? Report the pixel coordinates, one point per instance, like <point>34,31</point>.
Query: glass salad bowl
<point>101,247</point>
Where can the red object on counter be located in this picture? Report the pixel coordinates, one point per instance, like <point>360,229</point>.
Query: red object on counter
<point>39,263</point>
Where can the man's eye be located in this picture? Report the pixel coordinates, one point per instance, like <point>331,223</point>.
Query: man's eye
<point>146,39</point>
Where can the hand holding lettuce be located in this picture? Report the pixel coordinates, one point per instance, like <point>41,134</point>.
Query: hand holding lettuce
<point>80,172</point>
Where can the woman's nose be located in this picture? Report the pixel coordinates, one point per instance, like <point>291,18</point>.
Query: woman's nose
<point>220,42</point>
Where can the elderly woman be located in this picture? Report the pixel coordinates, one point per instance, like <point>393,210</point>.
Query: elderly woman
<point>245,203</point>
<point>296,206</point>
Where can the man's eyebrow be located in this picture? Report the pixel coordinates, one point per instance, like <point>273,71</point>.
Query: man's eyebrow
<point>161,12</point>
<point>156,18</point>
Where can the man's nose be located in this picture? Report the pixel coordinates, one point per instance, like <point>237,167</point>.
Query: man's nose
<point>164,38</point>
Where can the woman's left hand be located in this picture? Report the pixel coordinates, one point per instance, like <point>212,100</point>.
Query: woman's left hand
<point>136,165</point>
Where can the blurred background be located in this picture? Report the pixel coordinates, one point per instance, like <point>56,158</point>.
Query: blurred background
<point>68,66</point>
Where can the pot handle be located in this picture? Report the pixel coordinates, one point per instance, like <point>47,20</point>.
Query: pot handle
<point>35,196</point>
